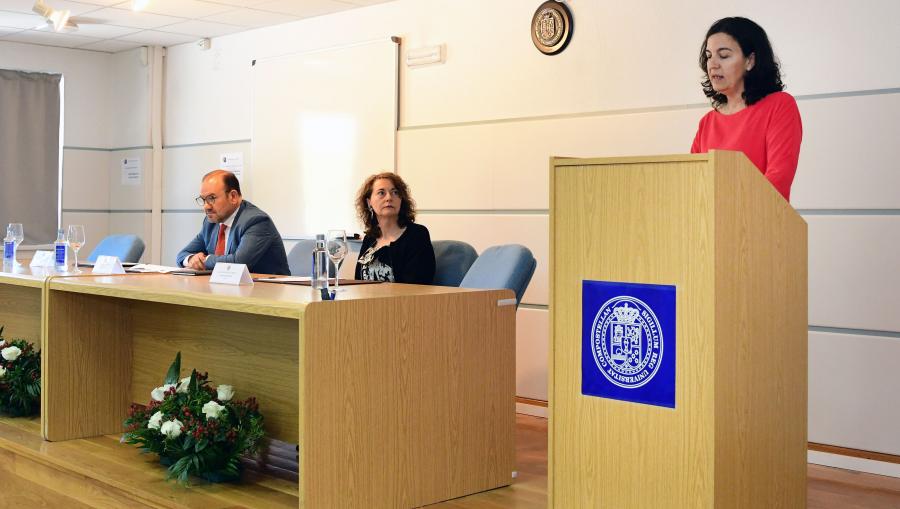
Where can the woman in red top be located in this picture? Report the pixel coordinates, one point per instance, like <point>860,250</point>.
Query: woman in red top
<point>750,112</point>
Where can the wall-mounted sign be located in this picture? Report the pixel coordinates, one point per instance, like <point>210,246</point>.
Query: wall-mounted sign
<point>551,27</point>
<point>628,342</point>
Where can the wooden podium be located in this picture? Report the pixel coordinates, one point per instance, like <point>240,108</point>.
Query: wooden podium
<point>735,250</point>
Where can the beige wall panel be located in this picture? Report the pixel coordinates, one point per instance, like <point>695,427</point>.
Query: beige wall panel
<point>184,167</point>
<point>854,271</point>
<point>532,344</point>
<point>85,179</point>
<point>853,384</point>
<point>177,230</point>
<point>849,155</point>
<point>135,223</point>
<point>504,165</point>
<point>96,226</point>
<point>129,99</point>
<point>483,231</point>
<point>130,197</point>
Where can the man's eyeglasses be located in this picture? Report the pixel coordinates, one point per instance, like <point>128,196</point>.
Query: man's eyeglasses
<point>208,199</point>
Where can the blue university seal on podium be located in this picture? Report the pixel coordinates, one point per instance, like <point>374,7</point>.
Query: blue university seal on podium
<point>627,341</point>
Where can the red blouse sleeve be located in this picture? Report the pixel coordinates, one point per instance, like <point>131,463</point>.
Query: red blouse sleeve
<point>783,138</point>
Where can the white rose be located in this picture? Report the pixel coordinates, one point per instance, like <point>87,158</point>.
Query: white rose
<point>183,385</point>
<point>224,392</point>
<point>159,393</point>
<point>212,410</point>
<point>155,421</point>
<point>2,371</point>
<point>11,353</point>
<point>171,429</point>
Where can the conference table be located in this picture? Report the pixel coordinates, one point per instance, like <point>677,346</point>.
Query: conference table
<point>398,395</point>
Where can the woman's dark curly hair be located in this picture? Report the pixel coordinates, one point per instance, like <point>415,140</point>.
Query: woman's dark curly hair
<point>765,76</point>
<point>367,217</point>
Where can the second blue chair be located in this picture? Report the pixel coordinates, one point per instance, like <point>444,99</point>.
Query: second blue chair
<point>508,266</point>
<point>452,259</point>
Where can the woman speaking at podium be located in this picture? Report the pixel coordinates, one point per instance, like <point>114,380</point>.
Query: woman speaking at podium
<point>751,113</point>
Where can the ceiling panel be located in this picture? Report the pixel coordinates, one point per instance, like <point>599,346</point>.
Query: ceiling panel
<point>251,18</point>
<point>201,29</point>
<point>161,23</point>
<point>49,38</point>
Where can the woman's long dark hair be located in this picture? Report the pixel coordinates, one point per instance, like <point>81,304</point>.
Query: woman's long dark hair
<point>407,212</point>
<point>765,76</point>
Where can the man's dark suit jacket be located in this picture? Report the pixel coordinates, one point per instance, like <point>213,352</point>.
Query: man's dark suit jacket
<point>252,240</point>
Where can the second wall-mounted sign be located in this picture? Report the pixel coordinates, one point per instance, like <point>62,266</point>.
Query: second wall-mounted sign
<point>551,27</point>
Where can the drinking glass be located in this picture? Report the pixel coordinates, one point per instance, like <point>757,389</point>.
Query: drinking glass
<point>75,236</point>
<point>336,247</point>
<point>18,234</point>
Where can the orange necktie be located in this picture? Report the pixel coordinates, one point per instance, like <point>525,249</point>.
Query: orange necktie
<point>220,242</point>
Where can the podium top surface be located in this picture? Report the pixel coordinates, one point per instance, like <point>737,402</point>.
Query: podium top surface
<point>271,299</point>
<point>668,158</point>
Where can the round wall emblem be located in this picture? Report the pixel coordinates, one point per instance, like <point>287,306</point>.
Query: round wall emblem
<point>551,27</point>
<point>627,342</point>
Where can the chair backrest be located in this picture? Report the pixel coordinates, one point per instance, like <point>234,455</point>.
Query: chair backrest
<point>508,266</point>
<point>300,258</point>
<point>128,248</point>
<point>452,259</point>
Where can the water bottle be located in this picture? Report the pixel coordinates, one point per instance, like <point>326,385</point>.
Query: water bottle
<point>9,247</point>
<point>320,264</point>
<point>59,247</point>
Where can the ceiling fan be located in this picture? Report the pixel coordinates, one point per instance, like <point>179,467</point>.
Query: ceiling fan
<point>62,19</point>
<point>59,20</point>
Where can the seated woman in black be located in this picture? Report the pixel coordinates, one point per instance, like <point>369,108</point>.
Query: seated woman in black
<point>395,248</point>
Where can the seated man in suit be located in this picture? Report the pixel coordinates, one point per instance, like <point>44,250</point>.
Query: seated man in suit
<point>234,230</point>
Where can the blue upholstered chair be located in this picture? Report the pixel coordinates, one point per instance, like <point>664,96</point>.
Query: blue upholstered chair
<point>508,266</point>
<point>128,248</point>
<point>300,257</point>
<point>452,259</point>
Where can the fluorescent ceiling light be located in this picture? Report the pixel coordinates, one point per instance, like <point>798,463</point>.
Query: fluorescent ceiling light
<point>138,5</point>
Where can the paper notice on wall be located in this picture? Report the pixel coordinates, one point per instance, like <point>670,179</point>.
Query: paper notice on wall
<point>131,171</point>
<point>233,162</point>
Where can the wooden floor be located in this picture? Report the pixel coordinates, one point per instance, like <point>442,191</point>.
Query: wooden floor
<point>30,460</point>
<point>828,488</point>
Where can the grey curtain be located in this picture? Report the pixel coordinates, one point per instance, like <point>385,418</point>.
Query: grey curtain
<point>29,153</point>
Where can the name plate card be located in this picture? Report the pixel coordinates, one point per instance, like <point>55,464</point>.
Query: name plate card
<point>43,259</point>
<point>108,265</point>
<point>231,274</point>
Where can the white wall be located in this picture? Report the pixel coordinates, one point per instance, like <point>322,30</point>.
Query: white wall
<point>477,131</point>
<point>106,117</point>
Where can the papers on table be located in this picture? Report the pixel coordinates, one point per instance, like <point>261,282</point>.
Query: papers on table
<point>283,279</point>
<point>164,269</point>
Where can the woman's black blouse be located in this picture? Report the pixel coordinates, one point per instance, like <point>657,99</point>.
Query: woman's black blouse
<point>409,259</point>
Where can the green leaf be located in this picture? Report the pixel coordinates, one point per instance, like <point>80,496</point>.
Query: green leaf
<point>174,370</point>
<point>192,385</point>
<point>201,445</point>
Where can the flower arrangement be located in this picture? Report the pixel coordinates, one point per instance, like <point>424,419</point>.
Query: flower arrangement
<point>194,428</point>
<point>20,377</point>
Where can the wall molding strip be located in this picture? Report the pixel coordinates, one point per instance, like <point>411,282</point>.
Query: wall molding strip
<point>632,111</point>
<point>108,211</point>
<point>855,332</point>
<point>515,212</point>
<point>206,143</point>
<point>848,212</point>
<point>98,149</point>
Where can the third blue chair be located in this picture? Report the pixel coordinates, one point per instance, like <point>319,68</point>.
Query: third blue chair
<point>508,266</point>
